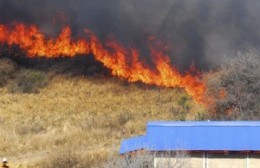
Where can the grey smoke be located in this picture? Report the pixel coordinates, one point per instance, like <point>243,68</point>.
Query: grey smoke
<point>205,33</point>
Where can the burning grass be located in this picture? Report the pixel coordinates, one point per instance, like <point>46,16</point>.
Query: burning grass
<point>124,62</point>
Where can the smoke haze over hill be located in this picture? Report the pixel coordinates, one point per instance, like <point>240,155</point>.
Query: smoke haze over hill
<point>201,32</point>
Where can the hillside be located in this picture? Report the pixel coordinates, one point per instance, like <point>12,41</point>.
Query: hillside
<point>66,112</point>
<point>86,117</point>
<point>79,76</point>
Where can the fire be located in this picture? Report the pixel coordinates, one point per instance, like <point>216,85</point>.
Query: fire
<point>123,62</point>
<point>30,39</point>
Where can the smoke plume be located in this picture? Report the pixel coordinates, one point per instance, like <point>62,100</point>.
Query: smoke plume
<point>205,33</point>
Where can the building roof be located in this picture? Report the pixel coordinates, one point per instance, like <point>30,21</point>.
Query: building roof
<point>197,136</point>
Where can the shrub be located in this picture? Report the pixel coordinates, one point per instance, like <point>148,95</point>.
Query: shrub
<point>7,69</point>
<point>145,159</point>
<point>65,159</point>
<point>29,81</point>
<point>236,90</point>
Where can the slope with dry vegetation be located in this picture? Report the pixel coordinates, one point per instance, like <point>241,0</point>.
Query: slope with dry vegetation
<point>86,117</point>
<point>50,118</point>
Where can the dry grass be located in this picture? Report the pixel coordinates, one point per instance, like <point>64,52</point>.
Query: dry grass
<point>86,116</point>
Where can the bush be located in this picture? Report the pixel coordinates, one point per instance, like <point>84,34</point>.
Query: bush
<point>7,69</point>
<point>236,90</point>
<point>29,81</point>
<point>145,159</point>
<point>65,159</point>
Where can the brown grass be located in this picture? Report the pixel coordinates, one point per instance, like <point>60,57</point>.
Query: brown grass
<point>87,116</point>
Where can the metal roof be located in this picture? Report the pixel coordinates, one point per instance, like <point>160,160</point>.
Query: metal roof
<point>197,136</point>
<point>204,123</point>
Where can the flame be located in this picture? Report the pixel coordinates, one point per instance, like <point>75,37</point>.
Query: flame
<point>123,62</point>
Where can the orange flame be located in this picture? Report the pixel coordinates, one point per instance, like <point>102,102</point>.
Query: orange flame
<point>124,63</point>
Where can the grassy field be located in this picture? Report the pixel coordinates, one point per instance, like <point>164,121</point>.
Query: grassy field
<point>84,118</point>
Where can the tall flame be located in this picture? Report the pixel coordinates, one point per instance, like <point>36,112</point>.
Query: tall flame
<point>124,63</point>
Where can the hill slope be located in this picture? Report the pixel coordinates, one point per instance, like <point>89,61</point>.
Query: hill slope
<point>83,115</point>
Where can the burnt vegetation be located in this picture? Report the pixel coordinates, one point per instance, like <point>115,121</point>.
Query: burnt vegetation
<point>21,74</point>
<point>21,80</point>
<point>7,70</point>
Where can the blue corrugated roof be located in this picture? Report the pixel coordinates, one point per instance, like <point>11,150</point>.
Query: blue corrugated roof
<point>204,123</point>
<point>132,144</point>
<point>195,135</point>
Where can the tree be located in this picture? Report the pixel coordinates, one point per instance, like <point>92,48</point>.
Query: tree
<point>236,89</point>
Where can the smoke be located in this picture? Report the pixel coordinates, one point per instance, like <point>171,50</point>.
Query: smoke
<point>205,33</point>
